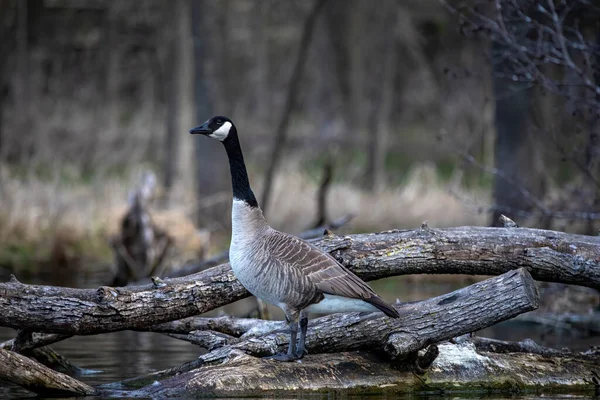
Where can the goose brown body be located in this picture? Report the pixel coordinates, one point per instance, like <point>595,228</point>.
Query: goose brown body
<point>279,268</point>
<point>287,271</point>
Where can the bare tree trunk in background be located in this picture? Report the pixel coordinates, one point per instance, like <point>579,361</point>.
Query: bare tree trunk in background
<point>112,72</point>
<point>4,44</point>
<point>336,17</point>
<point>263,88</point>
<point>22,88</point>
<point>381,107</point>
<point>357,51</point>
<point>592,151</point>
<point>514,154</point>
<point>211,168</point>
<point>511,132</point>
<point>290,103</point>
<point>171,129</point>
<point>175,83</point>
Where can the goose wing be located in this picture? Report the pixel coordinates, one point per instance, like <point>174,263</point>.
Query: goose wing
<point>324,271</point>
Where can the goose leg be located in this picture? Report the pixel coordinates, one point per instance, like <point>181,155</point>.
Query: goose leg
<point>301,350</point>
<point>291,354</point>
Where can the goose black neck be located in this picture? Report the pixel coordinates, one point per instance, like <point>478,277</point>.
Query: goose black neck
<point>239,175</point>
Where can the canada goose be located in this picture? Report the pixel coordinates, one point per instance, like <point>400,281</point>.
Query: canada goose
<point>279,268</point>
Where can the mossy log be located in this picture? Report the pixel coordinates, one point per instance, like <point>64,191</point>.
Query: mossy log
<point>547,255</point>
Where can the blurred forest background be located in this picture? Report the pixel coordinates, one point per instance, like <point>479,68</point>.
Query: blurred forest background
<point>411,110</point>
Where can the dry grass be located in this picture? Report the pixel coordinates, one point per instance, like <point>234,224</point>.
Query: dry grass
<point>422,197</point>
<point>37,216</point>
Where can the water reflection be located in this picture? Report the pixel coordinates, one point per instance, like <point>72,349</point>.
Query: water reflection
<point>116,356</point>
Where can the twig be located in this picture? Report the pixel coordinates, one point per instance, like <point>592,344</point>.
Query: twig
<point>332,226</point>
<point>507,222</point>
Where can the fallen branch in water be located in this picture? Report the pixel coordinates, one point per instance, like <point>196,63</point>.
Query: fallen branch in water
<point>36,349</point>
<point>528,346</point>
<point>21,370</point>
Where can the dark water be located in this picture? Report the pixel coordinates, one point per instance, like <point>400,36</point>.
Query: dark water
<point>117,356</point>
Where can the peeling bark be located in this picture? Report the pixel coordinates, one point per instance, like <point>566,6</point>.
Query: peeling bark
<point>548,255</point>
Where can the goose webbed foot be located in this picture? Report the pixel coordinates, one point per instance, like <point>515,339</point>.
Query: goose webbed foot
<point>301,352</point>
<point>291,355</point>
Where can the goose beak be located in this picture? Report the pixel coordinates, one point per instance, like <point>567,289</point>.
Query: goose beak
<point>202,129</point>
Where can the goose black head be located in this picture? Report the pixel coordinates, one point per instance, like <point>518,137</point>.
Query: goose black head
<point>217,127</point>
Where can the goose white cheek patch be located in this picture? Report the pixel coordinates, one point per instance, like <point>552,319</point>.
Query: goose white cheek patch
<point>222,132</point>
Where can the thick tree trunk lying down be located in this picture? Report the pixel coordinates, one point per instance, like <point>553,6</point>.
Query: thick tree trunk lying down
<point>458,367</point>
<point>548,255</point>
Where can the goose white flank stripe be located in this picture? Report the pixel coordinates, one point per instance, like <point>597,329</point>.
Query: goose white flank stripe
<point>279,268</point>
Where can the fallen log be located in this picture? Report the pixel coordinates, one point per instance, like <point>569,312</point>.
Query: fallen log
<point>39,379</point>
<point>71,311</point>
<point>548,255</point>
<point>226,324</point>
<point>458,367</point>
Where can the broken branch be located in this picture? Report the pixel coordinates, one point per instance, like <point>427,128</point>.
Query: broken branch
<point>37,378</point>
